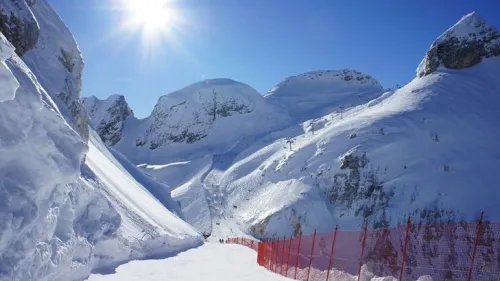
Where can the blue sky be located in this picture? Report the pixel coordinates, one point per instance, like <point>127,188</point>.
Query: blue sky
<point>259,42</point>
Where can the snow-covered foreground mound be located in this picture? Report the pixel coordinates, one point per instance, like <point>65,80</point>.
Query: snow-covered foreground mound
<point>40,159</point>
<point>61,219</point>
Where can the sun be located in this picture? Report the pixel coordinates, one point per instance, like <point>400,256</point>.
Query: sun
<point>153,17</point>
<point>154,27</point>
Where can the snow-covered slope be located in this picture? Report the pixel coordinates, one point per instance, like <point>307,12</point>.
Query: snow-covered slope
<point>427,149</point>
<point>316,93</point>
<point>61,218</point>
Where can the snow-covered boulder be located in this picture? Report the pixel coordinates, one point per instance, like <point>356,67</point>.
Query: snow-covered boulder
<point>316,93</point>
<point>108,116</point>
<point>463,45</point>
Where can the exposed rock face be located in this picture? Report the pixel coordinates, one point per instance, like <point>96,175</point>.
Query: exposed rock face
<point>108,117</point>
<point>46,45</point>
<point>462,46</point>
<point>188,121</point>
<point>19,25</point>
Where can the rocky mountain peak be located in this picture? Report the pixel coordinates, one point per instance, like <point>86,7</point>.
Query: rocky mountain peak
<point>463,45</point>
<point>108,116</point>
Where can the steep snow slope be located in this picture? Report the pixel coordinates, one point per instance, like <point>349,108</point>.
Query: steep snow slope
<point>147,228</point>
<point>316,93</point>
<point>427,150</point>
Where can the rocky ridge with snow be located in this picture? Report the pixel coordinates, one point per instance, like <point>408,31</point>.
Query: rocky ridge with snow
<point>200,116</point>
<point>463,45</point>
<point>112,114</point>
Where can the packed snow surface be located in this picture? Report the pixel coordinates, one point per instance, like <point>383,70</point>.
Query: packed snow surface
<point>209,262</point>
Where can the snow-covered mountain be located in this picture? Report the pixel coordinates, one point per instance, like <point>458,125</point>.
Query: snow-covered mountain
<point>316,93</point>
<point>62,218</point>
<point>463,45</point>
<point>187,123</point>
<point>108,117</point>
<point>345,150</point>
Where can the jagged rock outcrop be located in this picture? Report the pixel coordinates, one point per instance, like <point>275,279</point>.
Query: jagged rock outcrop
<point>108,116</point>
<point>463,45</point>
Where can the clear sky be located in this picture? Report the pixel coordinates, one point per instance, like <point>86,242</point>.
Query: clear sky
<point>258,42</point>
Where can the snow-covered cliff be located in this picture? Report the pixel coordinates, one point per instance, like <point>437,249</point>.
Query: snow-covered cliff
<point>108,116</point>
<point>62,218</point>
<point>47,46</point>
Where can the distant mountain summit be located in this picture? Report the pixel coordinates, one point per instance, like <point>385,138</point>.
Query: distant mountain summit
<point>108,116</point>
<point>302,95</point>
<point>464,45</point>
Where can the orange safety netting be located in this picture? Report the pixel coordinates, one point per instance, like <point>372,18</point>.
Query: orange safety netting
<point>461,251</point>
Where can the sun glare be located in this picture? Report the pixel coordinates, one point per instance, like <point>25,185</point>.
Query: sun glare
<point>152,16</point>
<point>160,24</point>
